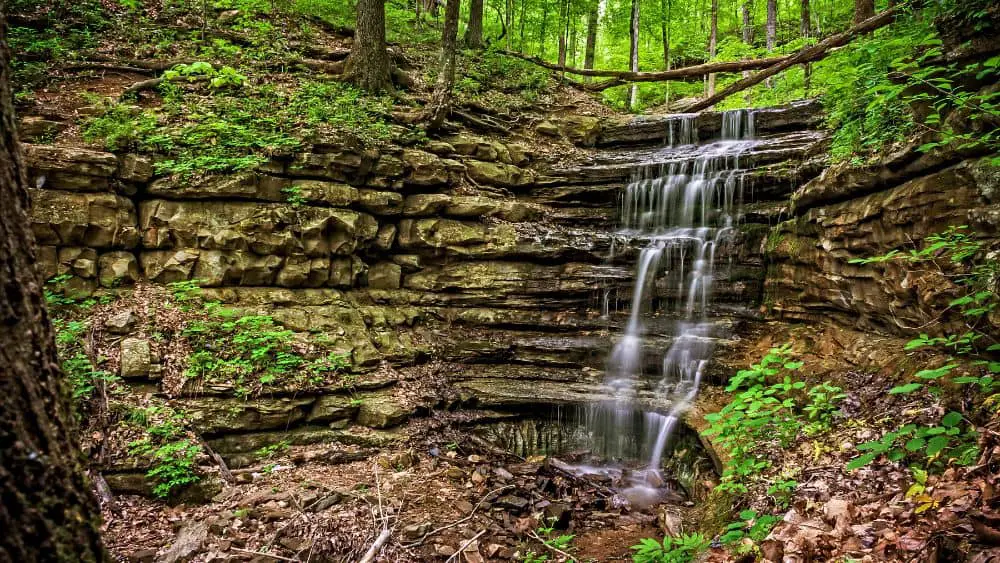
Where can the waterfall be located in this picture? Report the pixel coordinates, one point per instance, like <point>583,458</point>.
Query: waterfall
<point>682,209</point>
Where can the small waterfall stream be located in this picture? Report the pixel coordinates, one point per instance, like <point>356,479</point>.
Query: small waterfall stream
<point>682,210</point>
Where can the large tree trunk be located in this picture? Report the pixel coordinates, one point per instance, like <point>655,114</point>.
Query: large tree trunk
<point>368,65</point>
<point>591,48</point>
<point>509,17</point>
<point>441,99</point>
<point>772,30</point>
<point>863,9</point>
<point>633,53</point>
<point>542,30</point>
<point>474,31</point>
<point>804,25</point>
<point>48,512</point>
<point>713,39</point>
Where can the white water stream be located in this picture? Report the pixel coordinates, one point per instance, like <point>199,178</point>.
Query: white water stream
<point>683,210</point>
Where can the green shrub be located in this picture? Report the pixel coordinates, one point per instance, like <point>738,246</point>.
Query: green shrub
<point>680,549</point>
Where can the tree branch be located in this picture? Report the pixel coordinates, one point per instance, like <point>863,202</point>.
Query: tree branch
<point>657,76</point>
<point>806,55</point>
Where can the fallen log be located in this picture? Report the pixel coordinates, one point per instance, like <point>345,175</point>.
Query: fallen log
<point>809,54</point>
<point>623,76</point>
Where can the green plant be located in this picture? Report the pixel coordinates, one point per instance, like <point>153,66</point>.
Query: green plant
<point>172,454</point>
<point>782,491</point>
<point>821,407</point>
<point>757,414</point>
<point>546,534</point>
<point>679,549</point>
<point>267,452</point>
<point>752,526</point>
<point>293,195</point>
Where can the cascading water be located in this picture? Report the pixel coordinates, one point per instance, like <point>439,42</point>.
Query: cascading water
<point>682,209</point>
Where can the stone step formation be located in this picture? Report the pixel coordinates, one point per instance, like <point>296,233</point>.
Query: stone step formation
<point>511,292</point>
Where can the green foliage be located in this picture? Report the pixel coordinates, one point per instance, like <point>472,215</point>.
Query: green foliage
<point>268,452</point>
<point>232,131</point>
<point>83,377</point>
<point>752,526</point>
<point>680,549</point>
<point>548,537</point>
<point>951,441</point>
<point>171,452</point>
<point>762,412</point>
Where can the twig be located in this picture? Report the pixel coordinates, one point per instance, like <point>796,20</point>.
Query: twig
<point>374,549</point>
<point>553,548</point>
<point>457,522</point>
<point>271,555</point>
<point>464,545</point>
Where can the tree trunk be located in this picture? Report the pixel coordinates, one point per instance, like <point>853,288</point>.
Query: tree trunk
<point>666,50</point>
<point>474,31</point>
<point>48,511</point>
<point>747,12</point>
<point>441,99</point>
<point>863,9</point>
<point>772,30</point>
<point>713,38</point>
<point>591,48</point>
<point>520,43</point>
<point>542,30</point>
<point>633,54</point>
<point>563,21</point>
<point>573,19</point>
<point>806,68</point>
<point>509,16</point>
<point>368,65</point>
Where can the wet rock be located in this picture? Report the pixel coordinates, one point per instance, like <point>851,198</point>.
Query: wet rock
<point>136,358</point>
<point>513,502</point>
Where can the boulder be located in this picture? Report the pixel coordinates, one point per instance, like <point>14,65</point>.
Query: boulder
<point>498,174</point>
<point>135,168</point>
<point>425,204</point>
<point>384,275</point>
<point>425,169</point>
<point>136,358</point>
<point>382,412</point>
<point>381,203</point>
<point>77,261</point>
<point>83,219</point>
<point>117,268</point>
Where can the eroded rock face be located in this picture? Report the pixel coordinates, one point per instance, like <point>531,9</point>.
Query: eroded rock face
<point>455,261</point>
<point>840,219</point>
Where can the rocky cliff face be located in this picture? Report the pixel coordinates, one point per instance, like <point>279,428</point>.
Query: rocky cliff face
<point>467,262</point>
<point>848,214</point>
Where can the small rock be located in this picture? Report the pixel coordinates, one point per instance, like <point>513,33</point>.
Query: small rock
<point>503,474</point>
<point>444,550</point>
<point>475,458</point>
<point>513,502</point>
<point>143,556</point>
<point>326,502</point>
<point>465,506</point>
<point>455,473</point>
<point>477,477</point>
<point>120,323</point>
<point>416,531</point>
<point>558,515</point>
<point>188,541</point>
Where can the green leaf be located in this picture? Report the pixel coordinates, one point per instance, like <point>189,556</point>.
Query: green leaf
<point>936,373</point>
<point>951,419</point>
<point>903,389</point>
<point>936,444</point>
<point>861,461</point>
<point>915,444</point>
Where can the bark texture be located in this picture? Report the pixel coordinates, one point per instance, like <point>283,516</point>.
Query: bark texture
<point>368,65</point>
<point>713,41</point>
<point>441,99</point>
<point>804,27</point>
<point>772,29</point>
<point>633,53</point>
<point>590,50</point>
<point>47,512</point>
<point>863,9</point>
<point>474,31</point>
